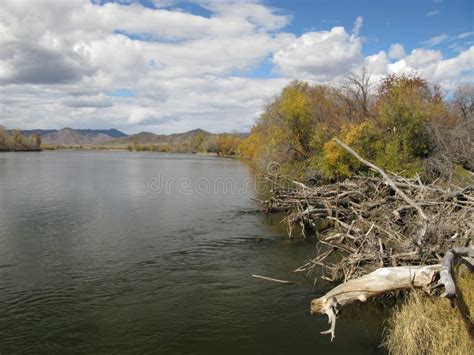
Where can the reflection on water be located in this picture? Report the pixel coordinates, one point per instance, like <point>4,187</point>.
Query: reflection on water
<point>91,261</point>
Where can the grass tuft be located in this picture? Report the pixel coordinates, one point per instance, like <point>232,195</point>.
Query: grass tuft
<point>426,325</point>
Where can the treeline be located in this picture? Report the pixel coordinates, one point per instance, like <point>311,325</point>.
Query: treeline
<point>16,141</point>
<point>404,125</point>
<point>221,145</point>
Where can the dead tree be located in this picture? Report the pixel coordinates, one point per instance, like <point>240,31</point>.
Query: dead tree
<point>358,85</point>
<point>386,280</point>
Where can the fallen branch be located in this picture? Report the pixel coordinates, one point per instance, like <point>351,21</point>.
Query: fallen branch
<point>385,280</point>
<point>385,176</point>
<point>446,279</point>
<point>274,280</point>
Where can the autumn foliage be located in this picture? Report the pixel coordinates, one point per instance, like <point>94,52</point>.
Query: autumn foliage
<point>393,126</point>
<point>17,141</point>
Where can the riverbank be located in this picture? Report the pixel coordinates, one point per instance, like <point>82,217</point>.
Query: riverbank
<point>21,150</point>
<point>126,149</point>
<point>381,233</point>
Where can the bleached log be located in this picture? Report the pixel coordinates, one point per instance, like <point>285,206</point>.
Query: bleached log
<point>389,279</point>
<point>377,282</point>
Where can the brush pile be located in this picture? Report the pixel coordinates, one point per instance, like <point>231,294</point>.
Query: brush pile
<point>364,223</point>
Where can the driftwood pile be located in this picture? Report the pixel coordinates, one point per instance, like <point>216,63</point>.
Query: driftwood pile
<point>379,234</point>
<point>364,223</point>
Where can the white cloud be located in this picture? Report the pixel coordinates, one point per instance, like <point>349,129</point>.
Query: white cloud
<point>432,66</point>
<point>434,41</point>
<point>138,115</point>
<point>322,55</point>
<point>433,13</point>
<point>263,17</point>
<point>377,64</point>
<point>98,101</point>
<point>84,40</point>
<point>419,58</point>
<point>357,26</point>
<point>396,51</point>
<point>464,35</point>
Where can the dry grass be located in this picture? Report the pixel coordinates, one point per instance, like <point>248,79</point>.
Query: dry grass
<point>465,281</point>
<point>424,325</point>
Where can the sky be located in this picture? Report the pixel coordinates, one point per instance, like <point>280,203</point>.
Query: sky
<point>168,66</point>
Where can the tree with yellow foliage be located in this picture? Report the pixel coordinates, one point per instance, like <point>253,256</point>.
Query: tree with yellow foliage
<point>390,127</point>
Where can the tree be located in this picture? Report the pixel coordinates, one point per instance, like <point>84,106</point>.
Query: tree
<point>4,142</point>
<point>37,140</point>
<point>463,101</point>
<point>358,85</point>
<point>17,139</point>
<point>227,144</point>
<point>210,146</point>
<point>404,108</point>
<point>250,147</point>
<point>197,141</point>
<point>294,111</point>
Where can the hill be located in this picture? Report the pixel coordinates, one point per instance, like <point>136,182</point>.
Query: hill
<point>148,138</point>
<point>75,137</point>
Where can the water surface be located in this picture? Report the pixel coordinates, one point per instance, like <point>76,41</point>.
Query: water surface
<point>92,261</point>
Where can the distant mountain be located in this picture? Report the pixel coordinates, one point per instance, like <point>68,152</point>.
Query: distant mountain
<point>41,132</point>
<point>148,138</point>
<point>112,132</point>
<point>75,137</point>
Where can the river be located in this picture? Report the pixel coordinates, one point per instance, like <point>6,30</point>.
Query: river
<point>144,253</point>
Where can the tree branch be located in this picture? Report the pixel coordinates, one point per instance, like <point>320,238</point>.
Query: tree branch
<point>385,176</point>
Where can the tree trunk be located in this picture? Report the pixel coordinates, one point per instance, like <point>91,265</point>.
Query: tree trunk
<point>389,279</point>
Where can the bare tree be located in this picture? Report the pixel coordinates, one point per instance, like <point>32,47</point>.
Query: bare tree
<point>358,85</point>
<point>463,101</point>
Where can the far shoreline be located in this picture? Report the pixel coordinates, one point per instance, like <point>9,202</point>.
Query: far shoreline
<point>126,149</point>
<point>20,150</point>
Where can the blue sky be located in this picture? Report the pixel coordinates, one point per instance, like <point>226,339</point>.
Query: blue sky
<point>385,22</point>
<point>170,66</point>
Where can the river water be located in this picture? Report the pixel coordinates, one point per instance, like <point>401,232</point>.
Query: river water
<point>143,253</point>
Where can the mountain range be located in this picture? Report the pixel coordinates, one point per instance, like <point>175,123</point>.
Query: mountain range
<point>113,137</point>
<point>148,138</point>
<point>75,137</point>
